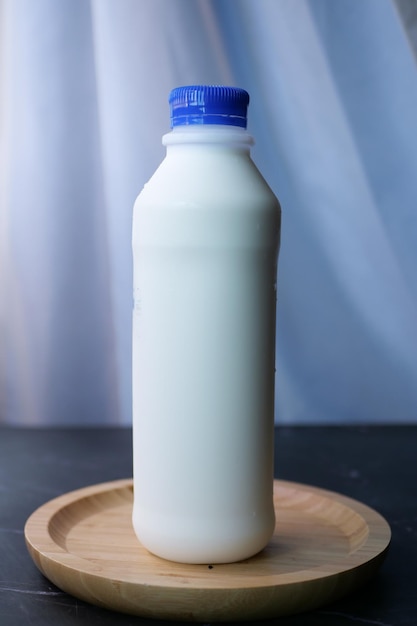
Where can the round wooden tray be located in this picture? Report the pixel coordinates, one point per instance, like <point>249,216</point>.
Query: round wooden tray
<point>324,546</point>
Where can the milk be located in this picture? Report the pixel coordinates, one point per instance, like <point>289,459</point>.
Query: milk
<point>205,245</point>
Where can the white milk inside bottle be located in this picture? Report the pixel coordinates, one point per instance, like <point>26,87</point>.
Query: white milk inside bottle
<point>205,244</point>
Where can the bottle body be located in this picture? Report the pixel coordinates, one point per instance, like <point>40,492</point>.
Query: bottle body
<point>205,243</point>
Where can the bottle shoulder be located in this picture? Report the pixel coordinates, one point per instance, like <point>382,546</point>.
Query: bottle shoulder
<point>204,176</point>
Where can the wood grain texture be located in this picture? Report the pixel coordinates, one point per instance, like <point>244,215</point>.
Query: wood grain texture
<point>324,546</point>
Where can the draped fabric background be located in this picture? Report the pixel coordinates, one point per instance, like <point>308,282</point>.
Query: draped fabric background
<point>83,106</point>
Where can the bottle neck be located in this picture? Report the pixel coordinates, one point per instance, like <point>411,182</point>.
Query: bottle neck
<point>232,136</point>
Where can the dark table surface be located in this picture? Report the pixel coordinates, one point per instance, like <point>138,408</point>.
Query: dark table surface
<point>376,465</point>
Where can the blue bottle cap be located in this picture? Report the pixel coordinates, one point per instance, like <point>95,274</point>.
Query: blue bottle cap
<point>208,104</point>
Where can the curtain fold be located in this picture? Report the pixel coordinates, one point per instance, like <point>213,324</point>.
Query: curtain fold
<point>83,106</point>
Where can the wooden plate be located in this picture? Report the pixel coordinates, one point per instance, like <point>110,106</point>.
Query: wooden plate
<point>324,546</point>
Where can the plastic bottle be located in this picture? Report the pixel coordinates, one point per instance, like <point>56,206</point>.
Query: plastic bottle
<point>205,245</point>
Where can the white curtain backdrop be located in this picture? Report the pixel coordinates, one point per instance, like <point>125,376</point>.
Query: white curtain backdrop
<point>83,106</point>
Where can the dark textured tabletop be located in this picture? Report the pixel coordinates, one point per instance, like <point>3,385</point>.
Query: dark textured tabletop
<point>376,465</point>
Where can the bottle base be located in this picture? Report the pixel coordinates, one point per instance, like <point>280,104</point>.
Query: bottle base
<point>199,546</point>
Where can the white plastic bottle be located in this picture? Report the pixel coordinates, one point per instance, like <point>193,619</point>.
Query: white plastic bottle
<point>205,243</point>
